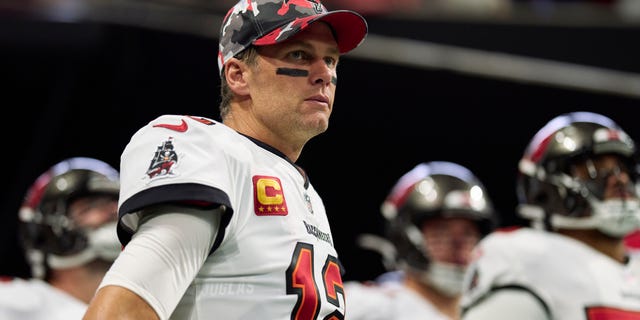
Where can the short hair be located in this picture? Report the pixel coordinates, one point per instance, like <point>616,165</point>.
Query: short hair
<point>249,56</point>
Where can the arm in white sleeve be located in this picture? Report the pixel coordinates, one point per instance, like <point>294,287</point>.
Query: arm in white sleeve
<point>165,254</point>
<point>508,304</point>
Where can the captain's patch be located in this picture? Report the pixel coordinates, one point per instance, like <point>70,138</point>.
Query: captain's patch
<point>268,197</point>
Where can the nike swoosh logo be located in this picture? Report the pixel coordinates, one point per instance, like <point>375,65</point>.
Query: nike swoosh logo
<point>175,127</point>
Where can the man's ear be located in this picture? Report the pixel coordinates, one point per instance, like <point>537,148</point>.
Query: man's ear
<point>235,73</point>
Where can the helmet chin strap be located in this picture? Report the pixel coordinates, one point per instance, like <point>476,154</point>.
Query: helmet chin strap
<point>103,244</point>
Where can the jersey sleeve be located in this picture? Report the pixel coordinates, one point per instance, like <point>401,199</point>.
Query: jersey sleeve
<point>507,304</point>
<point>165,255</point>
<point>489,268</point>
<point>174,159</point>
<point>503,261</point>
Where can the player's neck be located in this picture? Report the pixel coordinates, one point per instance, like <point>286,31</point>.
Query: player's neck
<point>611,247</point>
<point>76,281</point>
<point>251,128</point>
<point>447,305</point>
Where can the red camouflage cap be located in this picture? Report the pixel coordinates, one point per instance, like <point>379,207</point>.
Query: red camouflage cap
<point>267,22</point>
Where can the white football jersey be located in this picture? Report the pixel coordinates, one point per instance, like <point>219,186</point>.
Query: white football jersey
<point>35,299</point>
<point>387,301</point>
<point>274,256</point>
<point>572,280</point>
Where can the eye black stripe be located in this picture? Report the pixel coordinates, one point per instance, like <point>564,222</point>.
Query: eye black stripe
<point>292,72</point>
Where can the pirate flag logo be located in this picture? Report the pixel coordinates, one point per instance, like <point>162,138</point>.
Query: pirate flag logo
<point>164,160</point>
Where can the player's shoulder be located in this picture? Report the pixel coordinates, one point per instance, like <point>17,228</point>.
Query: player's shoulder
<point>528,238</point>
<point>200,131</point>
<point>183,124</point>
<point>18,294</point>
<point>520,255</point>
<point>33,296</point>
<point>515,235</point>
<point>503,249</point>
<point>505,258</point>
<point>369,299</point>
<point>373,300</point>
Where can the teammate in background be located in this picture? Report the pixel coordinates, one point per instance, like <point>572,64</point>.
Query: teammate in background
<point>576,185</point>
<point>436,213</point>
<point>220,222</point>
<point>67,225</point>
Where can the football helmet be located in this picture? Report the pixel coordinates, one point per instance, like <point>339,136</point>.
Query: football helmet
<point>434,189</point>
<point>551,197</point>
<point>49,235</point>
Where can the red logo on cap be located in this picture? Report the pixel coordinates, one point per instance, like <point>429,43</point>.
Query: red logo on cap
<point>268,197</point>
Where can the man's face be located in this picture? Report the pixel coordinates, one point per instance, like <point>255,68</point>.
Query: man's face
<point>293,85</point>
<point>607,176</point>
<point>93,211</point>
<point>450,240</point>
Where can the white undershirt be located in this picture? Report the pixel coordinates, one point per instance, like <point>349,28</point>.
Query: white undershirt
<point>165,254</point>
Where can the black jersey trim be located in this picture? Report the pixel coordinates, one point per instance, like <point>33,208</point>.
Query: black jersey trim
<point>282,155</point>
<point>183,193</point>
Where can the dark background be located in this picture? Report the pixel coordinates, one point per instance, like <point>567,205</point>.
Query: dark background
<point>83,88</point>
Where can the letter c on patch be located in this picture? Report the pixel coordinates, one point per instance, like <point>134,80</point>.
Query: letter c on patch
<point>268,196</point>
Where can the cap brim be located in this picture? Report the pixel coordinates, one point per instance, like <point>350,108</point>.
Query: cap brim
<point>349,28</point>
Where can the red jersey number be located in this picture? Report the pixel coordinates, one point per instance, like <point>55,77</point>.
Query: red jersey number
<point>301,282</point>
<point>607,313</point>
